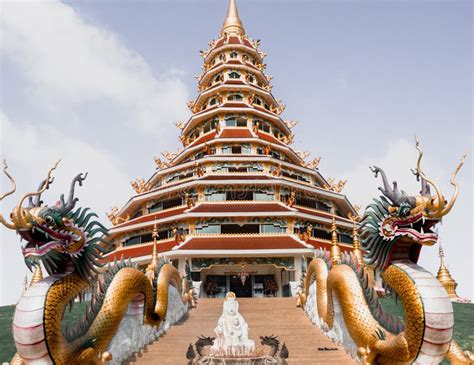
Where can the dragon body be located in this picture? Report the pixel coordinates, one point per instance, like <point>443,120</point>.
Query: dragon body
<point>338,297</point>
<point>70,243</point>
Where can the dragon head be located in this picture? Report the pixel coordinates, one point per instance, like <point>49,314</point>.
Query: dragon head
<point>63,238</point>
<point>396,225</point>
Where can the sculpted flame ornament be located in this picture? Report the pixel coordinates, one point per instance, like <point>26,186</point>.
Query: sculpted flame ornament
<point>70,244</point>
<point>393,230</point>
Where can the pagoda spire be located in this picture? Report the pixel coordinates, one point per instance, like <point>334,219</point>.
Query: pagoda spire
<point>356,244</point>
<point>150,270</point>
<point>335,252</point>
<point>444,276</point>
<point>232,23</point>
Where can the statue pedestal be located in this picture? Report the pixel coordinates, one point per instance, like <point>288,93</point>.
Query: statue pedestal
<point>258,360</point>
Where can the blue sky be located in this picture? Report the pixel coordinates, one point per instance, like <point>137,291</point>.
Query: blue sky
<point>101,84</point>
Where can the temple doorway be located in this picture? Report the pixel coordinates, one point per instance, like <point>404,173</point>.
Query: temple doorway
<point>241,290</point>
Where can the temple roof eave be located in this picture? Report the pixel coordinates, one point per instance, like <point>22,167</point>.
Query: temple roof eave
<point>196,118</point>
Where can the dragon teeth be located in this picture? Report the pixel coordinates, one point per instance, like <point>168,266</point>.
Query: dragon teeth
<point>423,219</point>
<point>422,231</point>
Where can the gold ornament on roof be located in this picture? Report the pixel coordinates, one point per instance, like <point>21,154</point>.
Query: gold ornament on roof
<point>290,202</point>
<point>178,237</point>
<point>290,123</point>
<point>189,201</point>
<point>232,23</point>
<point>302,154</point>
<point>339,186</point>
<point>313,164</point>
<point>140,185</point>
<point>180,124</point>
<point>199,170</point>
<point>277,170</point>
<point>169,155</point>
<point>306,235</point>
<point>160,164</point>
<point>114,216</point>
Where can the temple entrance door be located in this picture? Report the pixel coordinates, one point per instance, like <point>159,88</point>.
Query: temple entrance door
<point>241,291</point>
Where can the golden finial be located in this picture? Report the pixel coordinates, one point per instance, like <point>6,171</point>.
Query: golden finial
<point>150,270</point>
<point>444,276</point>
<point>232,23</point>
<point>355,242</point>
<point>335,253</point>
<point>37,276</point>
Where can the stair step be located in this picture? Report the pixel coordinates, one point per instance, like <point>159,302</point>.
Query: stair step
<point>265,316</point>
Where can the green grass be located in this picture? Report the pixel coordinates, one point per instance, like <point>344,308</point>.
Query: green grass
<point>463,328</point>
<point>463,320</point>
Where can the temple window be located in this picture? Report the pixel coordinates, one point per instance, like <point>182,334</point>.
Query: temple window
<point>250,78</point>
<point>246,149</point>
<point>208,228</point>
<point>264,195</point>
<point>321,233</point>
<point>135,240</point>
<point>213,101</point>
<point>257,101</point>
<point>238,169</point>
<point>165,204</point>
<point>239,195</point>
<point>216,196</point>
<point>345,238</point>
<point>199,155</point>
<point>236,149</point>
<point>235,121</point>
<point>217,78</point>
<point>260,151</point>
<point>235,97</point>
<point>233,54</point>
<point>275,155</point>
<point>179,176</point>
<point>222,57</point>
<point>272,228</point>
<point>137,214</point>
<point>240,229</point>
<point>266,106</point>
<point>234,75</point>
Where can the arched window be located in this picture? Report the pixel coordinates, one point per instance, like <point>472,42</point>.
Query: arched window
<point>250,78</point>
<point>234,54</point>
<point>222,56</point>
<point>217,78</point>
<point>234,75</point>
<point>257,101</point>
<point>213,101</point>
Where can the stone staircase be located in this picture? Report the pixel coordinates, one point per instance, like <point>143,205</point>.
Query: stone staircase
<point>265,316</point>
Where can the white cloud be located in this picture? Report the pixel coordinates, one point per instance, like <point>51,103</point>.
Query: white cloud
<point>68,63</point>
<point>31,151</point>
<point>455,231</point>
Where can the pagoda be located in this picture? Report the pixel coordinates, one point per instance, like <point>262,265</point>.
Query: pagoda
<point>445,278</point>
<point>237,206</point>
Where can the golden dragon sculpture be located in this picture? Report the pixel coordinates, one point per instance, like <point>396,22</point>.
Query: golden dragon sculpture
<point>338,297</point>
<point>70,244</point>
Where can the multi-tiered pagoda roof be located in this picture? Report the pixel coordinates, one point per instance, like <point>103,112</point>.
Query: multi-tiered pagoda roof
<point>238,186</point>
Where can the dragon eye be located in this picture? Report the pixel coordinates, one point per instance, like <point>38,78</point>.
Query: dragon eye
<point>49,219</point>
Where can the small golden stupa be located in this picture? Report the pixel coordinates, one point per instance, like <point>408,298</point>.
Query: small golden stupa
<point>445,278</point>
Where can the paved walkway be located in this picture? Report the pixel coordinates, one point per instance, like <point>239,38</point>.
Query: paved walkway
<point>265,316</point>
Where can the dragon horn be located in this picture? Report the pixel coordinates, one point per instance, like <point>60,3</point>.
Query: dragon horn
<point>456,186</point>
<point>19,210</point>
<point>423,176</point>
<point>2,220</point>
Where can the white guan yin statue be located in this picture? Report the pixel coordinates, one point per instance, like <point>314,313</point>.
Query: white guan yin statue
<point>232,333</point>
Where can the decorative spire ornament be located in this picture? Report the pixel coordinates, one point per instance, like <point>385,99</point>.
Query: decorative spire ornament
<point>232,23</point>
<point>445,278</point>
<point>356,244</point>
<point>150,270</point>
<point>335,253</point>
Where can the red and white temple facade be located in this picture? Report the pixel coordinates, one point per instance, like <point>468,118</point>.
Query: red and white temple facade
<point>238,203</point>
